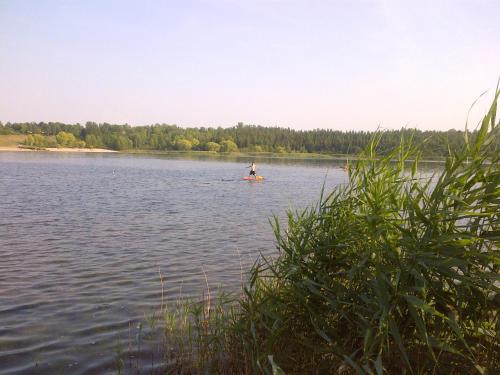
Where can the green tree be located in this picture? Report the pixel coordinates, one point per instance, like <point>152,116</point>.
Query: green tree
<point>93,141</point>
<point>194,142</point>
<point>183,144</point>
<point>39,140</point>
<point>66,139</point>
<point>228,146</point>
<point>213,146</point>
<point>251,137</point>
<point>121,142</point>
<point>36,140</point>
<point>29,141</point>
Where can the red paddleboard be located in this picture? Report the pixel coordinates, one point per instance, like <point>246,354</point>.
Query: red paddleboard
<point>256,178</point>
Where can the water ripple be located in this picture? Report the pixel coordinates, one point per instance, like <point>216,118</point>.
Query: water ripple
<point>81,246</point>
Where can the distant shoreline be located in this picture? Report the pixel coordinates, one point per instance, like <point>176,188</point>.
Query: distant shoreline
<point>18,142</point>
<point>243,154</point>
<point>22,148</point>
<point>250,155</point>
<point>262,155</point>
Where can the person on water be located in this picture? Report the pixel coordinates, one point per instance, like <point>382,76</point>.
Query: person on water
<point>253,167</point>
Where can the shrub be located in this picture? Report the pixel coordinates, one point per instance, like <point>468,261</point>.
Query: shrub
<point>36,140</point>
<point>65,139</point>
<point>213,146</point>
<point>120,142</point>
<point>29,141</point>
<point>228,146</point>
<point>194,142</point>
<point>93,141</point>
<point>183,144</point>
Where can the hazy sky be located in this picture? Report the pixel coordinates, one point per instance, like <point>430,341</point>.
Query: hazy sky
<point>304,64</point>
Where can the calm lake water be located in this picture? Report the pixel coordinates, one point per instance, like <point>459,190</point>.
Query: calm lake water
<point>83,237</point>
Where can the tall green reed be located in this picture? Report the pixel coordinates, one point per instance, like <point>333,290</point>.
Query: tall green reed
<point>394,272</point>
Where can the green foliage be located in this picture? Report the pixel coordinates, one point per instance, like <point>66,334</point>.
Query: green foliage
<point>394,272</point>
<point>93,141</point>
<point>197,330</point>
<point>212,146</point>
<point>29,141</point>
<point>120,142</point>
<point>194,142</point>
<point>183,144</point>
<point>4,130</point>
<point>246,137</point>
<point>39,140</point>
<point>228,146</point>
<point>280,149</point>
<point>65,139</point>
<point>36,140</point>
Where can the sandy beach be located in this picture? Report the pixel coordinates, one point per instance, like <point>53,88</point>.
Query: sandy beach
<point>54,149</point>
<point>10,149</point>
<point>68,149</point>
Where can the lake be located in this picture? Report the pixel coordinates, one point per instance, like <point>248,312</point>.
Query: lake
<point>84,237</point>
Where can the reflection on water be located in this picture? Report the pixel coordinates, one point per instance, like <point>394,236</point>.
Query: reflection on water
<point>82,237</point>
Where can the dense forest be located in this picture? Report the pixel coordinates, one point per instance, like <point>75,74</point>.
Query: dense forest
<point>241,137</point>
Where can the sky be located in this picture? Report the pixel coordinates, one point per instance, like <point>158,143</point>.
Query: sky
<point>344,65</point>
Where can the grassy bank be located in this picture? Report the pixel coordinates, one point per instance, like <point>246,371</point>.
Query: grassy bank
<point>391,273</point>
<point>11,140</point>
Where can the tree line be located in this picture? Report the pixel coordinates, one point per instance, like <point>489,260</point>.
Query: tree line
<point>241,137</point>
